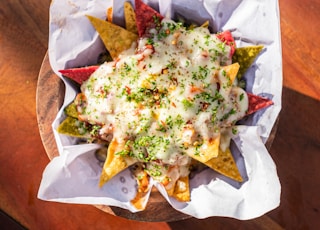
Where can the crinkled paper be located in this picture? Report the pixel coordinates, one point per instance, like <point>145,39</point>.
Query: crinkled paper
<point>73,176</point>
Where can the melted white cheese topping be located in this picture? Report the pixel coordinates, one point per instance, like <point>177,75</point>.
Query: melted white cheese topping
<point>166,96</point>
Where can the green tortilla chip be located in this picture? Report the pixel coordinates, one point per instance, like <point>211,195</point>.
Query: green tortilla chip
<point>71,110</point>
<point>72,127</point>
<point>245,56</point>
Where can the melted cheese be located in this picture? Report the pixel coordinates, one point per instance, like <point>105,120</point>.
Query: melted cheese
<point>166,96</point>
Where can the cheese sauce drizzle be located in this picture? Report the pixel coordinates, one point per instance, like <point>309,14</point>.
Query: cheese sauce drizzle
<point>165,97</point>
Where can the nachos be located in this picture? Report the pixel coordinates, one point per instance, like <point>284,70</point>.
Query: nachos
<point>168,100</point>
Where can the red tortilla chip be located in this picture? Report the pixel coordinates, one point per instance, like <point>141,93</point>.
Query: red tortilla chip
<point>256,103</point>
<point>226,37</point>
<point>79,75</point>
<point>146,17</point>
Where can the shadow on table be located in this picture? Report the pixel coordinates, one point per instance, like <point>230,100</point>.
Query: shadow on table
<point>8,223</point>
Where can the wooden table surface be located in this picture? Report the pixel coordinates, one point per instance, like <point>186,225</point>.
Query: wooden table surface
<point>295,150</point>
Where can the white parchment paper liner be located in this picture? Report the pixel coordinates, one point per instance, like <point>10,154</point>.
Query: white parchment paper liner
<point>73,176</point>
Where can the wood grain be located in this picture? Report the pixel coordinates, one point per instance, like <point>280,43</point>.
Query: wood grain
<point>49,99</point>
<point>295,150</point>
<point>300,36</point>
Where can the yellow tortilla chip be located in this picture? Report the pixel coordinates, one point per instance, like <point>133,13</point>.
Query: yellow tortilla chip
<point>225,165</point>
<point>181,189</point>
<point>208,150</point>
<point>72,127</point>
<point>232,71</point>
<point>115,38</point>
<point>142,178</point>
<point>140,200</point>
<point>205,24</point>
<point>245,56</point>
<point>109,14</point>
<point>130,18</point>
<point>170,190</point>
<point>114,163</point>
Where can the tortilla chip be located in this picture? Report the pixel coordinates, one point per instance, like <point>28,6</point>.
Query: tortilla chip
<point>225,165</point>
<point>71,110</point>
<point>146,17</point>
<point>140,200</point>
<point>232,71</point>
<point>79,75</point>
<point>205,24</point>
<point>130,18</point>
<point>114,163</point>
<point>245,56</point>
<point>208,150</point>
<point>256,103</point>
<point>115,38</point>
<point>72,127</point>
<point>142,178</point>
<point>181,189</point>
<point>109,14</point>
